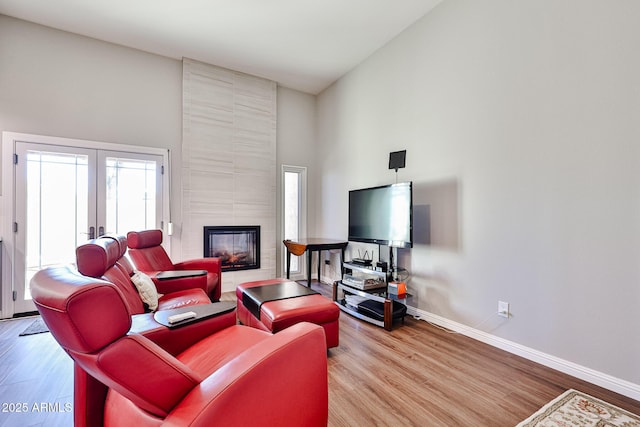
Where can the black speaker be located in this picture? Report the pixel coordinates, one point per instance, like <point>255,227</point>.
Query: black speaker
<point>397,159</point>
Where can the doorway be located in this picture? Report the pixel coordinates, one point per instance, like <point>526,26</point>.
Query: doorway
<point>66,192</point>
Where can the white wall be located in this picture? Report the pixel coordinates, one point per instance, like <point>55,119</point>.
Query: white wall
<point>520,121</point>
<point>229,161</point>
<point>59,84</point>
<point>53,82</point>
<point>296,139</point>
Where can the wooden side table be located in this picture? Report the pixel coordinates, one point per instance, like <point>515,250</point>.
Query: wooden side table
<point>300,246</point>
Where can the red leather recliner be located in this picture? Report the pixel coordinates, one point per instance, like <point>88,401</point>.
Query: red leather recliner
<point>236,376</point>
<point>104,258</point>
<point>150,257</point>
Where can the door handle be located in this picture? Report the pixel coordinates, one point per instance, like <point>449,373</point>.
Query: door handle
<point>92,232</point>
<point>100,231</point>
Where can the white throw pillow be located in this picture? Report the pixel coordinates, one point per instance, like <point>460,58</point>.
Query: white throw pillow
<point>146,288</point>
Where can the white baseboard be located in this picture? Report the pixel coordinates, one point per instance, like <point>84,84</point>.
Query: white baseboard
<point>609,382</point>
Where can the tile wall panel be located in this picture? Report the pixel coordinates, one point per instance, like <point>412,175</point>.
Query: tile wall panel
<point>228,160</point>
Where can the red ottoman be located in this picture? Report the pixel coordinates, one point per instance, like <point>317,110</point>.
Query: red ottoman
<point>280,314</point>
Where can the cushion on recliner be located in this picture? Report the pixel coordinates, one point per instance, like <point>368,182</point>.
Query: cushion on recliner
<point>94,258</point>
<point>68,307</point>
<point>122,261</point>
<point>144,239</point>
<point>183,298</point>
<point>146,289</point>
<point>122,242</point>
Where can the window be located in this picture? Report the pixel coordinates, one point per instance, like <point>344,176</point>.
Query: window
<point>293,211</point>
<point>131,187</point>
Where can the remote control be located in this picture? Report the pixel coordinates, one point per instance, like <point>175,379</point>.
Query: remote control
<point>180,317</point>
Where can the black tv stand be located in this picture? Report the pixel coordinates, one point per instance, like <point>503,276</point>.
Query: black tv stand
<point>391,307</point>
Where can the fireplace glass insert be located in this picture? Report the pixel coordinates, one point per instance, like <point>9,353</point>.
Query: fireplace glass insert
<point>238,247</point>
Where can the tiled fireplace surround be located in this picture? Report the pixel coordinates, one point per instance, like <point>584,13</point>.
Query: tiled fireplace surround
<point>228,161</point>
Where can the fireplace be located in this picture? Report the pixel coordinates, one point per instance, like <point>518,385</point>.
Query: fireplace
<point>238,247</point>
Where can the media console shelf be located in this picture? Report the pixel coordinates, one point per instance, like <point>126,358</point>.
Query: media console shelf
<point>377,292</point>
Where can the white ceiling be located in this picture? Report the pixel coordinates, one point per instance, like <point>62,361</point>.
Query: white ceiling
<point>302,44</point>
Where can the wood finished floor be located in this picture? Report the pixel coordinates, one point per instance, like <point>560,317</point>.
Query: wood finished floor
<point>415,375</point>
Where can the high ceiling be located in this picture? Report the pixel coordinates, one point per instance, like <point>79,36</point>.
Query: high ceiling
<point>302,44</point>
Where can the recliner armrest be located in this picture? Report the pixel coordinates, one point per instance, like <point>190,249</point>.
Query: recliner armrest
<point>291,365</point>
<point>175,341</point>
<point>179,274</point>
<point>167,286</point>
<point>214,278</point>
<point>209,264</point>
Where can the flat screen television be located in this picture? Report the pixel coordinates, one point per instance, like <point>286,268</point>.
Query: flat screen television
<point>382,215</point>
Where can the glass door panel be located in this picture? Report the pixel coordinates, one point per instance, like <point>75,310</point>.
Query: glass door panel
<point>58,208</point>
<point>132,185</point>
<point>53,210</point>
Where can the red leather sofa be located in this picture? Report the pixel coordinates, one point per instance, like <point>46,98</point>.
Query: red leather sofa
<point>150,257</point>
<point>130,370</point>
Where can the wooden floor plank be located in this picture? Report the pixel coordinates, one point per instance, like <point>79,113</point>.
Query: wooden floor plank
<point>36,375</point>
<point>415,375</point>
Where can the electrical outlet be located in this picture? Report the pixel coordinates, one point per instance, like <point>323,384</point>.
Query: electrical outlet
<point>503,309</point>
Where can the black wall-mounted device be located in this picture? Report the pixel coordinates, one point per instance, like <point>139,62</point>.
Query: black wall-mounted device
<point>397,159</point>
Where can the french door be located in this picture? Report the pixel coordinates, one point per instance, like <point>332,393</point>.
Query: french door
<point>66,195</point>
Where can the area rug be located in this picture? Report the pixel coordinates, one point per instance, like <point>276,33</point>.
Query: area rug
<point>36,327</point>
<point>573,408</point>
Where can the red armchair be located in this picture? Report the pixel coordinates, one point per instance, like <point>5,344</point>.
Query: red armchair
<point>236,376</point>
<point>150,257</point>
